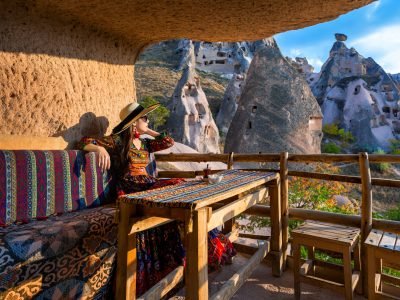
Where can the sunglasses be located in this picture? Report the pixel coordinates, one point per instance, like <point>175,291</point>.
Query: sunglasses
<point>145,118</point>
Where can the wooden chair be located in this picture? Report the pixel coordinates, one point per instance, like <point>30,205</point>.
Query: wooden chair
<point>382,247</point>
<point>324,236</point>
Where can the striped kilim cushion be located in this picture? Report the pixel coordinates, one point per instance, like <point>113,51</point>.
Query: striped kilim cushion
<point>37,184</point>
<point>190,194</point>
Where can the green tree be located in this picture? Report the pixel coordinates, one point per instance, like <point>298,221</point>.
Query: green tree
<point>331,129</point>
<point>345,136</point>
<point>159,116</point>
<point>394,146</point>
<point>330,148</point>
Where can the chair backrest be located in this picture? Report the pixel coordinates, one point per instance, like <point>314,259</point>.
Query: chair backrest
<point>39,183</point>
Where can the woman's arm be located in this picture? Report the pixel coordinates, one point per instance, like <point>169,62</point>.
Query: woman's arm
<point>152,133</point>
<point>161,141</point>
<point>104,157</point>
<point>101,146</point>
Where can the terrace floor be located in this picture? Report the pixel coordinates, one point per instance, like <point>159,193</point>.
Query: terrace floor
<point>262,285</point>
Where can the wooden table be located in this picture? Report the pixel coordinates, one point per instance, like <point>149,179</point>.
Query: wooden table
<point>332,237</point>
<point>202,207</point>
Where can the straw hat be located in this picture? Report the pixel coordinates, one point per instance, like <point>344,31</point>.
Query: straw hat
<point>130,113</point>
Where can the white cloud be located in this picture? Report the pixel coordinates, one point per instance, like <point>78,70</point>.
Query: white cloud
<point>371,9</point>
<point>316,63</point>
<point>383,45</point>
<point>295,52</point>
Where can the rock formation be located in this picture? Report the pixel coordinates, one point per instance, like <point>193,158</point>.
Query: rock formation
<point>191,122</point>
<point>277,111</point>
<point>359,96</point>
<point>184,50</point>
<point>396,79</point>
<point>233,91</point>
<point>230,102</point>
<point>227,58</point>
<point>62,59</point>
<point>178,148</point>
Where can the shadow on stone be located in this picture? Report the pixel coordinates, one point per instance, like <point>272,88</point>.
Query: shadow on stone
<point>89,125</point>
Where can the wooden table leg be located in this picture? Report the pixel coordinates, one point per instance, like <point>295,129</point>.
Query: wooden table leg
<point>126,255</point>
<point>371,273</point>
<point>357,266</point>
<point>196,276</point>
<point>296,269</point>
<point>347,273</point>
<point>276,228</point>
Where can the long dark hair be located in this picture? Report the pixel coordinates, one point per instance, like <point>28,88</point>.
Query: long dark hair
<point>121,158</point>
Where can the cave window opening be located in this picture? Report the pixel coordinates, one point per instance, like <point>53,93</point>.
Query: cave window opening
<point>206,131</point>
<point>219,61</point>
<point>249,125</point>
<point>192,119</point>
<point>254,109</point>
<point>221,54</point>
<point>204,57</point>
<point>357,90</point>
<point>386,109</point>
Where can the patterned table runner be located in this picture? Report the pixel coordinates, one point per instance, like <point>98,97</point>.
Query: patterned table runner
<point>191,194</point>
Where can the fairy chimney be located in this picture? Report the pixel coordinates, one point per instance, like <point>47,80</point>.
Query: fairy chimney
<point>191,122</point>
<point>277,111</point>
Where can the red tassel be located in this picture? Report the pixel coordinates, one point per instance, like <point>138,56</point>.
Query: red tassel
<point>136,134</point>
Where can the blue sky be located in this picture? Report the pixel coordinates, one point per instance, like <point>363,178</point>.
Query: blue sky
<point>373,30</point>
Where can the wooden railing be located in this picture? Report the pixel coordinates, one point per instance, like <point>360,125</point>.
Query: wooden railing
<point>363,221</point>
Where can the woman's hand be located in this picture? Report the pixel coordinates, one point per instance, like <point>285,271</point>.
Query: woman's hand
<point>152,133</point>
<point>104,159</point>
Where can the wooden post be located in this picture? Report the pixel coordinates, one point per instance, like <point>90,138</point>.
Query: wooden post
<point>126,255</point>
<point>276,228</point>
<point>196,273</point>
<point>284,204</point>
<point>230,161</point>
<point>366,214</point>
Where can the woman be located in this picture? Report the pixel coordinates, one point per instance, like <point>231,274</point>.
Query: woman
<point>127,155</point>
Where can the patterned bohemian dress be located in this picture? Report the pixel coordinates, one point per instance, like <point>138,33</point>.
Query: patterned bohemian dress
<point>156,262</point>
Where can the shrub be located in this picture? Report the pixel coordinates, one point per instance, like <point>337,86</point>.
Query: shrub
<point>381,167</point>
<point>159,116</point>
<point>330,148</point>
<point>345,136</point>
<point>310,194</point>
<point>331,129</point>
<point>394,146</point>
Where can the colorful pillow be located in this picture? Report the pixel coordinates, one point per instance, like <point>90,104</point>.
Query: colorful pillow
<point>37,184</point>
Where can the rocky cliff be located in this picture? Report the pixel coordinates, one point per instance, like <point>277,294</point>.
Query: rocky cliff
<point>277,111</point>
<point>243,52</point>
<point>230,102</point>
<point>191,122</point>
<point>358,95</point>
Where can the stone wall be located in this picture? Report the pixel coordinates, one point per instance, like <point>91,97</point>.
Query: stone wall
<point>60,78</point>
